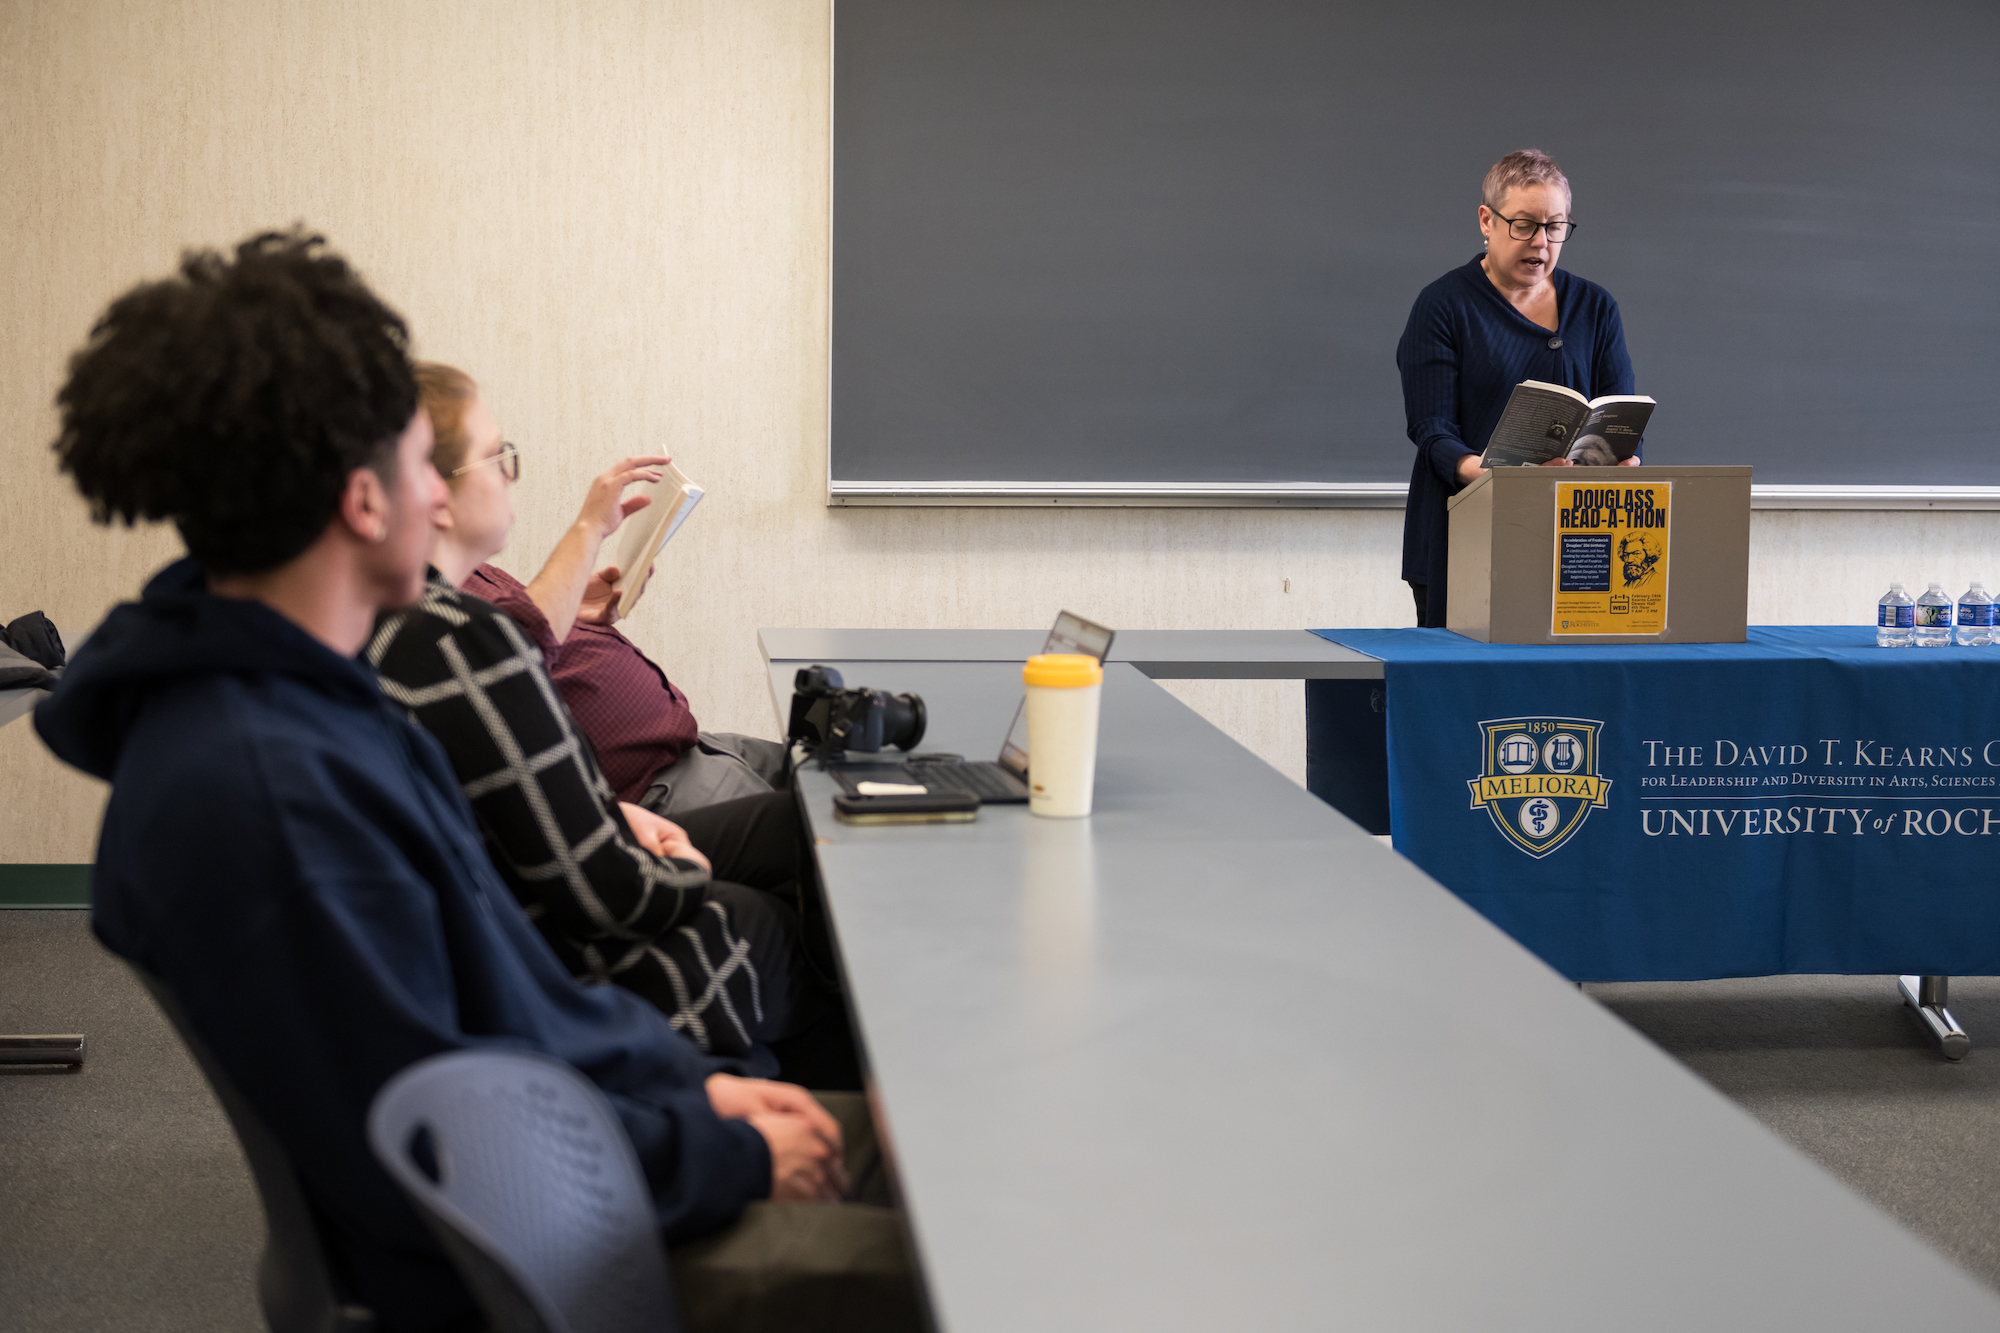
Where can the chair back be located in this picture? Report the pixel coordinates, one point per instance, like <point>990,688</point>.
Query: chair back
<point>522,1168</point>
<point>295,1287</point>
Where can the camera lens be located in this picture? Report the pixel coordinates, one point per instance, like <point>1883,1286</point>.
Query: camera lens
<point>903,720</point>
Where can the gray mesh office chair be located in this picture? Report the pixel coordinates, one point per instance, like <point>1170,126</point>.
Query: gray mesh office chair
<point>297,1290</point>
<point>520,1166</point>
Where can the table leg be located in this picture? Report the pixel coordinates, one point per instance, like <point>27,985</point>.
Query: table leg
<point>65,1049</point>
<point>1347,749</point>
<point>1927,995</point>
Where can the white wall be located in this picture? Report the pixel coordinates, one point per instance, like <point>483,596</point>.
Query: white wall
<point>614,214</point>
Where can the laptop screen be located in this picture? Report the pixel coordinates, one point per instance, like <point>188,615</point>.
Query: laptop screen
<point>1070,634</point>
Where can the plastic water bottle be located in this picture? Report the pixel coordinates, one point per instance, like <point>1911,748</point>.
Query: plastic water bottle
<point>1895,615</point>
<point>1976,617</point>
<point>1933,628</point>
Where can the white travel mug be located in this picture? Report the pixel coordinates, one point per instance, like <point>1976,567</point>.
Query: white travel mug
<point>1063,690</point>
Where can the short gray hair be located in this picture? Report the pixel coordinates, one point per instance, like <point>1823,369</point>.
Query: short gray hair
<point>1527,166</point>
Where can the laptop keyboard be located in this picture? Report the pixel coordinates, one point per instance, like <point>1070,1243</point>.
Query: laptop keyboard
<point>992,784</point>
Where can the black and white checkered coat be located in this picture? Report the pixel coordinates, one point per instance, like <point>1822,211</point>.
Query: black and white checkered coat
<point>612,910</point>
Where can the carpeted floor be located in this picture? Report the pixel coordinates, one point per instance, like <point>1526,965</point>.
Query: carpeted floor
<point>1841,1070</point>
<point>124,1202</point>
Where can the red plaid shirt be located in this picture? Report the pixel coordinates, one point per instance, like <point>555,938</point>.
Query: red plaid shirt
<point>637,721</point>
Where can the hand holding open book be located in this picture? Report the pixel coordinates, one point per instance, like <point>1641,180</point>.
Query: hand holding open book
<point>669,501</point>
<point>1544,422</point>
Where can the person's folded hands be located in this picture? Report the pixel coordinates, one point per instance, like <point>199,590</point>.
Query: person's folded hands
<point>804,1168</point>
<point>740,1098</point>
<point>661,837</point>
<point>804,1139</point>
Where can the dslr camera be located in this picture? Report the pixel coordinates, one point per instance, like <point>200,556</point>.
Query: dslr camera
<point>831,719</point>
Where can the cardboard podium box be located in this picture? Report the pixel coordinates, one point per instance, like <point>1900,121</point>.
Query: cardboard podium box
<point>1638,555</point>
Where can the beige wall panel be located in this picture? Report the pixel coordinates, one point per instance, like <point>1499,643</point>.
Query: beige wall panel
<point>615,216</point>
<point>1828,567</point>
<point>48,810</point>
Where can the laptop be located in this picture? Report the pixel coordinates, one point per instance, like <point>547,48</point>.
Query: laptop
<point>1003,781</point>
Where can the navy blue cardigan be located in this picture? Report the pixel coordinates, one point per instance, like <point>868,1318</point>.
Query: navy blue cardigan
<point>296,861</point>
<point>1462,353</point>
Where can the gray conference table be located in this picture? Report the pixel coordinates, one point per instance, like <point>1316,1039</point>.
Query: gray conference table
<point>1215,1058</point>
<point>1194,654</point>
<point>64,1048</point>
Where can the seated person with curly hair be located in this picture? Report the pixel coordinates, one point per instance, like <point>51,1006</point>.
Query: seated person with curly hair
<point>620,893</point>
<point>294,859</point>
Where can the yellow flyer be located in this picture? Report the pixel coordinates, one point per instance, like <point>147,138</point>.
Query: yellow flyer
<point>1612,540</point>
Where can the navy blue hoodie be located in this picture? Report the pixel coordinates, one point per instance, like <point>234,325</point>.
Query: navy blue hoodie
<point>295,860</point>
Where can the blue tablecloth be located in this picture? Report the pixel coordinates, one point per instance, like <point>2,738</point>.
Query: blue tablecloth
<point>1802,802</point>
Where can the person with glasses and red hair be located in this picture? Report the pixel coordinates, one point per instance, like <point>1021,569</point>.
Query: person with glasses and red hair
<point>1507,315</point>
<point>703,920</point>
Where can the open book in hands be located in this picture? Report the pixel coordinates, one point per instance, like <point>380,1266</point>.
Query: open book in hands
<point>673,498</point>
<point>1547,421</point>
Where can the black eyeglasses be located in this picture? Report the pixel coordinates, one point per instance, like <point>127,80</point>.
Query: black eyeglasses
<point>509,459</point>
<point>1524,229</point>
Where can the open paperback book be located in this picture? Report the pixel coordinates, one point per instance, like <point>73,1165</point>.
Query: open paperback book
<point>674,498</point>
<point>1546,421</point>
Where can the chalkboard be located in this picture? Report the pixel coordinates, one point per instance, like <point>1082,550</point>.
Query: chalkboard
<point>1119,246</point>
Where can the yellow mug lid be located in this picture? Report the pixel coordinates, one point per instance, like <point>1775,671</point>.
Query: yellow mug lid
<point>1062,671</point>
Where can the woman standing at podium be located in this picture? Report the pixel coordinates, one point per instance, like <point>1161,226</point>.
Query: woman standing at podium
<point>1508,315</point>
